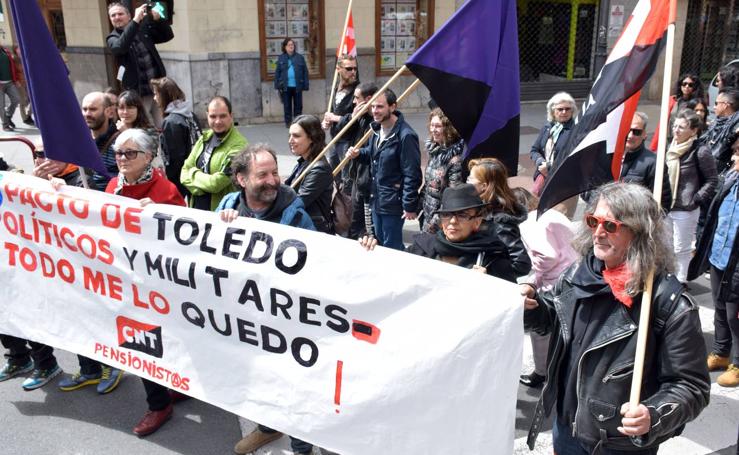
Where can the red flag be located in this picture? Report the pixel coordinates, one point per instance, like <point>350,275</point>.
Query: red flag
<point>350,44</point>
<point>594,150</point>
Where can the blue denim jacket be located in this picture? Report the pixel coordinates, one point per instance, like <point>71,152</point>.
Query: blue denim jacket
<point>726,227</point>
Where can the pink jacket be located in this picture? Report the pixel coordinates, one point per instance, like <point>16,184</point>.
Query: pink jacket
<point>548,242</point>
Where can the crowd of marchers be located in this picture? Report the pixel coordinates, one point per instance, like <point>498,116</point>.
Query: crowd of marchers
<point>582,279</point>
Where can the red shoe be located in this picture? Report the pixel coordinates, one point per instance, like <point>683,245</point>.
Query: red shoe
<point>152,421</point>
<point>177,397</point>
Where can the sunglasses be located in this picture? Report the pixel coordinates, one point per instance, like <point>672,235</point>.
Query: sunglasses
<point>636,131</point>
<point>460,216</point>
<point>609,225</point>
<point>129,154</point>
<point>688,84</point>
<point>350,68</point>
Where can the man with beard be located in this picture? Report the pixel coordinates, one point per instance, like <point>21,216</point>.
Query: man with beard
<point>132,42</point>
<point>395,166</point>
<point>96,109</point>
<point>263,197</point>
<point>342,105</point>
<point>206,172</point>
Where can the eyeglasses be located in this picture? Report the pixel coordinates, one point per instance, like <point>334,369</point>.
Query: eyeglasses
<point>129,154</point>
<point>688,84</point>
<point>636,131</point>
<point>562,109</point>
<point>609,225</point>
<point>716,103</point>
<point>460,216</point>
<point>350,68</point>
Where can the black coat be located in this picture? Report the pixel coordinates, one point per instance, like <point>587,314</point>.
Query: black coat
<point>316,190</point>
<point>175,143</point>
<point>698,179</point>
<point>699,264</point>
<point>506,226</point>
<point>538,147</point>
<point>675,387</point>
<point>346,106</point>
<point>495,257</point>
<point>120,42</point>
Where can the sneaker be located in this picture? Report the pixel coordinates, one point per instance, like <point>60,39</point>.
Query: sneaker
<point>152,421</point>
<point>40,378</point>
<point>29,121</point>
<point>717,362</point>
<point>11,371</point>
<point>730,378</point>
<point>255,440</point>
<point>12,124</point>
<point>109,379</point>
<point>8,128</point>
<point>77,381</point>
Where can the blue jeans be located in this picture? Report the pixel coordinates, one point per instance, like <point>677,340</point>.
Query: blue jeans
<point>388,230</point>
<point>296,445</point>
<point>565,444</point>
<point>292,102</point>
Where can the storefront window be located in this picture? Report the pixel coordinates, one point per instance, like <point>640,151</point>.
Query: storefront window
<point>301,20</point>
<point>402,26</point>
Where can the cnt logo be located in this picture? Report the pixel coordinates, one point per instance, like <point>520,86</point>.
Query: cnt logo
<point>141,337</point>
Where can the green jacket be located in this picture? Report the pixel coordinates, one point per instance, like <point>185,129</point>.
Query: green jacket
<point>217,181</point>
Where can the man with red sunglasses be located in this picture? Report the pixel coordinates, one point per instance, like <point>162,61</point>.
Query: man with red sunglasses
<point>593,316</point>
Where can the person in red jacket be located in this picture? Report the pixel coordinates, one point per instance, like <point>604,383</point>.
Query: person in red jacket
<point>9,82</point>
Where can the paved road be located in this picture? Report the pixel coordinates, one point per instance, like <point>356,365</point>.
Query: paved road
<point>81,422</point>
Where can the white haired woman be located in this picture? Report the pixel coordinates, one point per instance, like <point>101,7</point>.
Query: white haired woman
<point>592,314</point>
<point>545,151</point>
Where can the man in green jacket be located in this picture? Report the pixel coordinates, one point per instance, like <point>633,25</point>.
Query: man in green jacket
<point>206,172</point>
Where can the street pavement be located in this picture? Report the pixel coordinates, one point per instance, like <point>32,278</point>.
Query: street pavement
<point>82,422</point>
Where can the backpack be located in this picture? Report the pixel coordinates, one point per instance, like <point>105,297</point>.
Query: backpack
<point>194,129</point>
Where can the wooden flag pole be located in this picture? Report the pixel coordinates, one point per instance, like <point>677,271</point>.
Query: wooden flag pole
<point>346,128</point>
<point>341,49</point>
<point>367,135</point>
<point>646,301</point>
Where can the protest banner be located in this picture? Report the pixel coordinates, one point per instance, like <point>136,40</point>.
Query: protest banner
<point>356,351</point>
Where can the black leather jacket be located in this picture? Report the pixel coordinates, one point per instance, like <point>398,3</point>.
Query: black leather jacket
<point>676,385</point>
<point>315,190</point>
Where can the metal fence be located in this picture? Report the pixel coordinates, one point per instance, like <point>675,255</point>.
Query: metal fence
<point>711,37</point>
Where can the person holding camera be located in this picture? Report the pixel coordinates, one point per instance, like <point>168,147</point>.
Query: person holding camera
<point>132,42</point>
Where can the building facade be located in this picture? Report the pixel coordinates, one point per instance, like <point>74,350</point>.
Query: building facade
<point>229,47</point>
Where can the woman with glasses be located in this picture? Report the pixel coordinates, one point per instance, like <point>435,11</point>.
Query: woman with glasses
<point>503,213</point>
<point>691,170</point>
<point>444,169</point>
<point>592,314</point>
<point>688,87</point>
<point>291,79</point>
<point>462,239</point>
<point>561,112</point>
<point>137,179</point>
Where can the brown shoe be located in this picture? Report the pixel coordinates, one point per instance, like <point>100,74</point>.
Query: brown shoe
<point>255,440</point>
<point>152,421</point>
<point>730,378</point>
<point>717,362</point>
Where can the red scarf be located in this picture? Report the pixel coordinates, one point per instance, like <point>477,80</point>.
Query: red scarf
<point>616,278</point>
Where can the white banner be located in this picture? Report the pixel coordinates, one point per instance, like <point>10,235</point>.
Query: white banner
<point>355,351</point>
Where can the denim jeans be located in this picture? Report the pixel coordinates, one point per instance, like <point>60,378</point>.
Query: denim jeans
<point>292,103</point>
<point>20,352</point>
<point>725,320</point>
<point>296,445</point>
<point>388,230</point>
<point>565,444</point>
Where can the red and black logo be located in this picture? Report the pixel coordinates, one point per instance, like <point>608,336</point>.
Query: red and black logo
<point>141,337</point>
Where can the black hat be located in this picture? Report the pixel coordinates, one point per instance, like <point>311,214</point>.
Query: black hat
<point>458,198</point>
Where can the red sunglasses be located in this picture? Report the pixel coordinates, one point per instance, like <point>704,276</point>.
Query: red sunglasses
<point>609,225</point>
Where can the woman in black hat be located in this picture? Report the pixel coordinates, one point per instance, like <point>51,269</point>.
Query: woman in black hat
<point>462,240</point>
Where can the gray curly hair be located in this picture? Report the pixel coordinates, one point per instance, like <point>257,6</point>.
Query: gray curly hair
<point>635,207</point>
<point>560,97</point>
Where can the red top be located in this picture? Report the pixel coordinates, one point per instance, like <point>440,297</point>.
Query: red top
<point>158,189</point>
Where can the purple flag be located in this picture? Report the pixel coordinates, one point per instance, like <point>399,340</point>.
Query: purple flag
<point>58,115</point>
<point>470,66</point>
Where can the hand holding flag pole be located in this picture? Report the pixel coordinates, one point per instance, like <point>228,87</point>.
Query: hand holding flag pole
<point>646,303</point>
<point>367,135</point>
<point>346,128</point>
<point>339,51</point>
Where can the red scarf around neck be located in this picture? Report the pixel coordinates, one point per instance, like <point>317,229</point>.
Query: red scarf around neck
<point>616,278</point>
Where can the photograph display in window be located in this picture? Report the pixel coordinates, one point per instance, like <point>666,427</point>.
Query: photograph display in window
<point>403,26</point>
<point>298,20</point>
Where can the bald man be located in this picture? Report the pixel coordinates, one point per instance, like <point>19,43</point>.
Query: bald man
<point>96,108</point>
